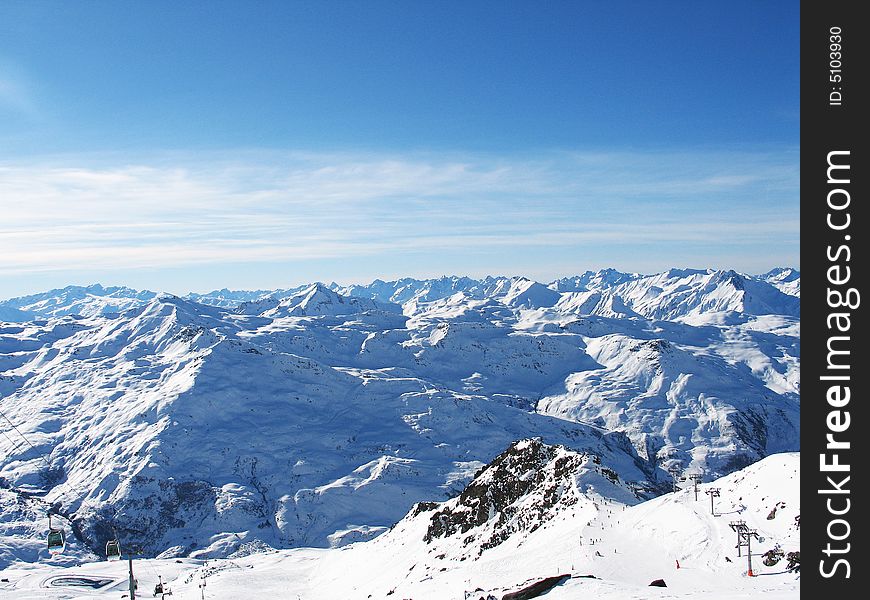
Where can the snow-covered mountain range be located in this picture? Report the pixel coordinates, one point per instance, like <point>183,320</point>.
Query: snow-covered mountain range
<point>318,416</point>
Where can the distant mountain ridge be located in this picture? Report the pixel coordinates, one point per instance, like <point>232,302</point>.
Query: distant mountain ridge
<point>86,301</point>
<point>787,280</point>
<point>689,291</point>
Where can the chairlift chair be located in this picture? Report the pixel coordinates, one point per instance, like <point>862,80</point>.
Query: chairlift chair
<point>113,550</point>
<point>161,589</point>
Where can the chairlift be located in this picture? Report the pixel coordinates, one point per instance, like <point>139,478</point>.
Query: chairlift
<point>113,550</point>
<point>161,589</point>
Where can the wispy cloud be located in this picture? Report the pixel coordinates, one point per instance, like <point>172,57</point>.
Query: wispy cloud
<point>271,207</point>
<point>16,95</point>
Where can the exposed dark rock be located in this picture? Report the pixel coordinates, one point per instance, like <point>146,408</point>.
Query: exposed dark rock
<point>536,589</point>
<point>519,491</point>
<point>772,556</point>
<point>510,476</point>
<point>793,561</point>
<point>421,507</point>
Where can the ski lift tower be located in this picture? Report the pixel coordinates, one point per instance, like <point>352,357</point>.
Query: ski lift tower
<point>713,493</point>
<point>695,477</point>
<point>675,476</point>
<point>746,540</point>
<point>132,579</point>
<point>739,527</point>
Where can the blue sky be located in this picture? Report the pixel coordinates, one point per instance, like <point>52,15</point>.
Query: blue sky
<point>198,145</point>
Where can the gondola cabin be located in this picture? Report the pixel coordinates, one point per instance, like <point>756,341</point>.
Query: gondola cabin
<point>56,541</point>
<point>113,550</point>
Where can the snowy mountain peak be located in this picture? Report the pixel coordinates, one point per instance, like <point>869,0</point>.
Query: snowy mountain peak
<point>314,300</point>
<point>785,279</point>
<point>521,489</point>
<point>602,304</point>
<point>781,274</point>
<point>530,294</point>
<point>601,279</point>
<point>320,300</point>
